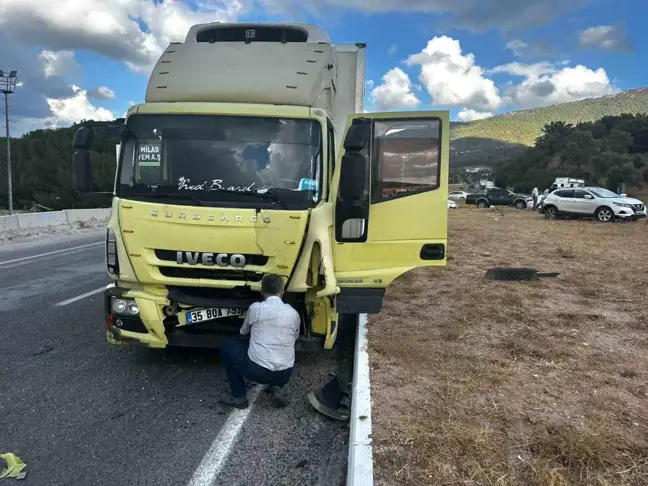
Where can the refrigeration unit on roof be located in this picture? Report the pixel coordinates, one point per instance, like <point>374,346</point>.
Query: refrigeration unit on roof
<point>284,64</point>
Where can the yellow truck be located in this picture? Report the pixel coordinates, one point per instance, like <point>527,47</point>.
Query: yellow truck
<point>252,155</point>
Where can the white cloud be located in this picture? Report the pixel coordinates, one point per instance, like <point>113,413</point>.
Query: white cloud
<point>76,108</point>
<point>475,15</point>
<point>369,83</point>
<point>392,49</point>
<point>547,84</point>
<point>467,115</point>
<point>102,93</point>
<point>110,28</point>
<point>524,70</point>
<point>61,63</point>
<point>453,79</point>
<point>611,38</point>
<point>394,92</point>
<point>517,47</point>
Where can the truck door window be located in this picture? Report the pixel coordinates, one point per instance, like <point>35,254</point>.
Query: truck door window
<point>406,158</point>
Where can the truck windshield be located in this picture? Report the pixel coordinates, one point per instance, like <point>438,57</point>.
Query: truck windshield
<point>216,158</point>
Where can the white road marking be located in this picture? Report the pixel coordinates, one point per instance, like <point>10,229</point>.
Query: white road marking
<point>213,462</point>
<point>79,297</point>
<point>49,253</point>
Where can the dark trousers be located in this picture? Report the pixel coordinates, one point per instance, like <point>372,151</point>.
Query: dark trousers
<point>238,365</point>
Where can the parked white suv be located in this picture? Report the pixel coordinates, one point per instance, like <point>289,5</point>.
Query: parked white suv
<point>600,203</point>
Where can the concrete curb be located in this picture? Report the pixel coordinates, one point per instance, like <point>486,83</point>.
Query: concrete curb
<point>51,218</point>
<point>360,468</point>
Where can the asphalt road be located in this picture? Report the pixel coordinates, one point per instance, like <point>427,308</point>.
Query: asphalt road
<point>80,412</point>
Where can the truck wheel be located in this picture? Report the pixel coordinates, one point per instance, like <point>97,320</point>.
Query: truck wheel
<point>604,214</point>
<point>482,204</point>
<point>520,204</point>
<point>551,212</point>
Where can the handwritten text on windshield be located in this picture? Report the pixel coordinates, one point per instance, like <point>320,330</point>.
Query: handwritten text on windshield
<point>185,184</point>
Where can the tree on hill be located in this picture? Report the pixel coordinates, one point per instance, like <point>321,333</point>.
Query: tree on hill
<point>42,170</point>
<point>496,139</point>
<point>609,152</point>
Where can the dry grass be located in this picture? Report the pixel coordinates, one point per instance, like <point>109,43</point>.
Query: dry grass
<point>540,383</point>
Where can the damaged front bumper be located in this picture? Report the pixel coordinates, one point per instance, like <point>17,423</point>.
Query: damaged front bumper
<point>150,327</point>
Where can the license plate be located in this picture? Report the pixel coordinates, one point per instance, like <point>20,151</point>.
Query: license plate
<point>204,315</point>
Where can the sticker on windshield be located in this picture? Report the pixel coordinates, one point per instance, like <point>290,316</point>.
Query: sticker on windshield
<point>307,185</point>
<point>149,152</point>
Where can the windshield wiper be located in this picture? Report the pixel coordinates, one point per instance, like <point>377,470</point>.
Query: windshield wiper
<point>174,195</point>
<point>268,195</point>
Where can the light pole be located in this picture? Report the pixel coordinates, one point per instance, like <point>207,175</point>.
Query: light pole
<point>7,87</point>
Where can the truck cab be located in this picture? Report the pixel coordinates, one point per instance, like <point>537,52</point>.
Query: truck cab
<point>252,156</point>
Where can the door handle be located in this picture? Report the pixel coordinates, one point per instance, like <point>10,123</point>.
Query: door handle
<point>433,251</point>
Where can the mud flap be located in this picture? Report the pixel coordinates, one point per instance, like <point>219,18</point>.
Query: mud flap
<point>324,319</point>
<point>332,400</point>
<point>332,325</point>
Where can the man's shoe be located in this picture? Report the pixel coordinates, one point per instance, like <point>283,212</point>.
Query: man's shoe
<point>236,402</point>
<point>279,396</point>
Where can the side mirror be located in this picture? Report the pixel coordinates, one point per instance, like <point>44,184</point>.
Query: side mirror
<point>587,196</point>
<point>82,171</point>
<point>353,169</point>
<point>83,138</point>
<point>81,167</point>
<point>353,176</point>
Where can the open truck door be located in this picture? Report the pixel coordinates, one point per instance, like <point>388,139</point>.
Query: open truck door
<point>391,193</point>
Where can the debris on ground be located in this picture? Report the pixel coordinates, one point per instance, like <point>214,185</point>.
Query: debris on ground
<point>78,227</point>
<point>14,467</point>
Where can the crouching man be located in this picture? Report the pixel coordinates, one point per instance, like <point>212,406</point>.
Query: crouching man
<point>270,357</point>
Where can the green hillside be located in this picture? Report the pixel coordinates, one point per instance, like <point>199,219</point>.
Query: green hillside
<point>500,137</point>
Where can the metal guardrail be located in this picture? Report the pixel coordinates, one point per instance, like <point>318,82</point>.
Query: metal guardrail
<point>360,462</point>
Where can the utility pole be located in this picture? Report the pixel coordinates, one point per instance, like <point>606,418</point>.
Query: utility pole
<point>7,87</point>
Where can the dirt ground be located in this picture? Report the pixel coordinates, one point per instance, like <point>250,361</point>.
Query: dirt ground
<point>477,382</point>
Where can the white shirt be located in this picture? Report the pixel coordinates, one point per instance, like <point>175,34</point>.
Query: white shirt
<point>274,329</point>
<point>535,192</point>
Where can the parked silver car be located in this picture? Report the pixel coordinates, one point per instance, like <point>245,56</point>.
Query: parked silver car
<point>602,204</point>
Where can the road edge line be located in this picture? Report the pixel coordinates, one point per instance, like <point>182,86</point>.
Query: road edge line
<point>214,459</point>
<point>360,468</point>
<point>72,300</point>
<point>56,252</point>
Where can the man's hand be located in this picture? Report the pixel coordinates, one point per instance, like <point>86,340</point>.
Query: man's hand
<point>245,328</point>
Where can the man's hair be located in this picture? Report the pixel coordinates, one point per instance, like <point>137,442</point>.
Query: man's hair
<point>272,285</point>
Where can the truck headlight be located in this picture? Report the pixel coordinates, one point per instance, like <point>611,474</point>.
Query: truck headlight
<point>124,307</point>
<point>623,205</point>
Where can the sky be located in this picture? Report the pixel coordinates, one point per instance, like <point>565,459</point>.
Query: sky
<point>90,59</point>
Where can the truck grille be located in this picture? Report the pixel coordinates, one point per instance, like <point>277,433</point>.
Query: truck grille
<point>197,273</point>
<point>639,207</point>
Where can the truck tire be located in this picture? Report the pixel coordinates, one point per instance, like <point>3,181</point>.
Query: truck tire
<point>520,204</point>
<point>482,204</point>
<point>604,214</point>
